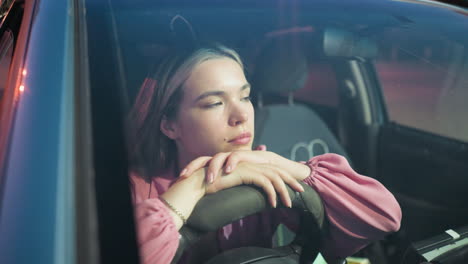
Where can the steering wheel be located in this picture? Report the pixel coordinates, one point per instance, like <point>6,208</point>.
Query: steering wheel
<point>210,214</point>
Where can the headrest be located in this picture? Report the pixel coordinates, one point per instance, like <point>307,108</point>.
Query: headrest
<point>281,66</point>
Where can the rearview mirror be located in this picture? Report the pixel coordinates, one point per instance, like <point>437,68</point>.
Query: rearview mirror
<point>342,43</point>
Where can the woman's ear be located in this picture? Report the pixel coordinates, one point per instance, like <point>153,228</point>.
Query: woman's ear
<point>168,128</point>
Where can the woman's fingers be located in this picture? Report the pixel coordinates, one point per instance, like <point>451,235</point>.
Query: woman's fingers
<point>295,185</point>
<point>290,180</point>
<point>223,182</point>
<point>194,165</point>
<point>280,187</point>
<point>232,161</point>
<point>278,179</point>
<point>261,147</point>
<point>269,177</point>
<point>260,157</point>
<point>215,165</point>
<point>268,188</point>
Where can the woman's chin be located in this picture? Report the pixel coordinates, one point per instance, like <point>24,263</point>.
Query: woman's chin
<point>240,147</point>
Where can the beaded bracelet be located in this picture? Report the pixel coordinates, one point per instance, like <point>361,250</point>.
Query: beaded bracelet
<point>177,212</point>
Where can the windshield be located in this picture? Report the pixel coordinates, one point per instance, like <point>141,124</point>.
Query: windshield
<point>346,72</point>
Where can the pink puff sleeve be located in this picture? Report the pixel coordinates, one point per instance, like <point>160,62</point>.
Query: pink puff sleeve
<point>359,208</point>
<point>158,237</point>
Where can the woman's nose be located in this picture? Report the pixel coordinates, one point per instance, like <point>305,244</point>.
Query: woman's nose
<point>238,116</point>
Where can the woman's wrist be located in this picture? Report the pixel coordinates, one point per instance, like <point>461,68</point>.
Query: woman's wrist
<point>183,195</point>
<point>304,171</point>
<point>298,170</point>
<point>197,183</point>
<point>174,210</point>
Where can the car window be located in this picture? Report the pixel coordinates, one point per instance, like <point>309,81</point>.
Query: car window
<point>424,81</point>
<point>321,85</point>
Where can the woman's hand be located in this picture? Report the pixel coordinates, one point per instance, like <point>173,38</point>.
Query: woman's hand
<point>226,162</point>
<point>270,178</point>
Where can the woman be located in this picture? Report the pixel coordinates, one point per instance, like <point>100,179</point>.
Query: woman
<point>194,132</point>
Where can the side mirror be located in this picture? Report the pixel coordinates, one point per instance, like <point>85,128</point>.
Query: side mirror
<point>342,43</point>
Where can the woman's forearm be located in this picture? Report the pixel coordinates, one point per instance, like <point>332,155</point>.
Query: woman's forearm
<point>184,195</point>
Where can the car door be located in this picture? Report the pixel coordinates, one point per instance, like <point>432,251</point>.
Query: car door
<point>46,198</point>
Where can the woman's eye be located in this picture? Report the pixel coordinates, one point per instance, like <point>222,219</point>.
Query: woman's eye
<point>213,105</point>
<point>247,98</point>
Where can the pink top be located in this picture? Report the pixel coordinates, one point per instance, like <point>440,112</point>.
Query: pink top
<point>359,210</point>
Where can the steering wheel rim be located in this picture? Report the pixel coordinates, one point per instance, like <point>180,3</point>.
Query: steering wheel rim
<point>243,201</point>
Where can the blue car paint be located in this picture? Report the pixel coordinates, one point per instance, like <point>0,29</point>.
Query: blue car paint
<point>37,217</point>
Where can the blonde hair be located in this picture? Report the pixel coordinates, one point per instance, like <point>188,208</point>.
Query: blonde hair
<point>159,97</point>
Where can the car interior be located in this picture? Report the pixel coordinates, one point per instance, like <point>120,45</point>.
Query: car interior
<point>286,126</point>
<point>315,89</point>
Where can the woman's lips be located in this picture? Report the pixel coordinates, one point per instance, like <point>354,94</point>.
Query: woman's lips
<point>242,139</point>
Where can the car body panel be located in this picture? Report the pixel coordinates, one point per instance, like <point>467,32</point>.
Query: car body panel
<point>37,207</point>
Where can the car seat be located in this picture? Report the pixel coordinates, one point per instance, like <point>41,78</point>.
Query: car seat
<point>290,129</point>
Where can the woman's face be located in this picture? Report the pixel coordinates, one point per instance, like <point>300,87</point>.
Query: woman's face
<point>215,114</point>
